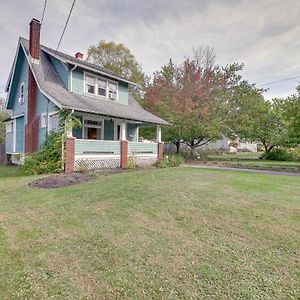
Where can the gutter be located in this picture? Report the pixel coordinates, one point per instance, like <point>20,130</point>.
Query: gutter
<point>71,77</point>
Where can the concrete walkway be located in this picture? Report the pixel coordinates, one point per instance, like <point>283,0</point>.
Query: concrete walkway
<point>240,170</point>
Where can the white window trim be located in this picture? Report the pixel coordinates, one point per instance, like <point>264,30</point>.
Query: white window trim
<point>96,86</point>
<point>116,123</point>
<point>48,120</point>
<point>92,126</point>
<point>11,125</point>
<point>22,96</point>
<point>44,117</point>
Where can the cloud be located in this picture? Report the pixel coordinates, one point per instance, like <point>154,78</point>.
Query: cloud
<point>261,34</point>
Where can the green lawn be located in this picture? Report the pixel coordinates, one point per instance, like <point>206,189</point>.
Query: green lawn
<point>179,233</point>
<point>252,160</point>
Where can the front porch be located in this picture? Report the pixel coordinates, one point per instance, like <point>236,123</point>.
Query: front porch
<point>109,144</point>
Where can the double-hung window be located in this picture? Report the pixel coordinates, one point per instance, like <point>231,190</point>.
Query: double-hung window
<point>10,127</point>
<point>112,90</point>
<point>90,84</point>
<point>100,86</point>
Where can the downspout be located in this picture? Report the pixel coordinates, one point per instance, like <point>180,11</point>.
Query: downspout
<point>71,78</point>
<point>64,136</point>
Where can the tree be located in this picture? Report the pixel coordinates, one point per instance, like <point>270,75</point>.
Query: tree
<point>190,96</point>
<point>251,117</point>
<point>118,58</point>
<point>3,115</point>
<point>292,117</point>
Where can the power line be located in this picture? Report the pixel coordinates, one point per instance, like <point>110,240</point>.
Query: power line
<point>43,14</point>
<point>66,24</point>
<point>273,82</point>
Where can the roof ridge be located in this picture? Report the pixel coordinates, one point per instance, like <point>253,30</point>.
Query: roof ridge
<point>84,63</point>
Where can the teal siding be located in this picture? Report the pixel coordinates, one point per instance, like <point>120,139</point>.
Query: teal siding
<point>20,76</point>
<point>132,132</point>
<point>77,132</point>
<point>142,148</point>
<point>123,93</point>
<point>9,142</point>
<point>108,130</point>
<point>97,147</point>
<point>43,106</point>
<point>77,81</point>
<point>61,70</point>
<point>20,135</point>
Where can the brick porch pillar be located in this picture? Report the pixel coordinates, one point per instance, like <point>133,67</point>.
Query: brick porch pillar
<point>160,151</point>
<point>70,155</point>
<point>124,154</point>
<point>160,145</point>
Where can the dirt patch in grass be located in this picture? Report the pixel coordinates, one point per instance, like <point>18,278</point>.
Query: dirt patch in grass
<point>60,180</point>
<point>63,180</point>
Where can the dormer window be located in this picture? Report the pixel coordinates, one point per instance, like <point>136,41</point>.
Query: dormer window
<point>22,91</point>
<point>90,84</point>
<point>112,91</point>
<point>101,87</point>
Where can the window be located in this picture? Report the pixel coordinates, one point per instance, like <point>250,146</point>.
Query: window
<point>112,91</point>
<point>53,124</point>
<point>90,84</point>
<point>22,91</point>
<point>93,129</point>
<point>10,127</point>
<point>43,121</point>
<point>101,87</point>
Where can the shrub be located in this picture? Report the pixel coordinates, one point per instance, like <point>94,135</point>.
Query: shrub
<point>296,154</point>
<point>169,161</point>
<point>48,159</point>
<point>131,162</point>
<point>278,154</point>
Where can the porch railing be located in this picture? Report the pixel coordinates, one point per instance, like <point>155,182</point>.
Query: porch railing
<point>142,148</point>
<point>96,147</point>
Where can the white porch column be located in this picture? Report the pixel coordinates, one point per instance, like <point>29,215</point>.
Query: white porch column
<point>137,133</point>
<point>123,131</point>
<point>69,130</point>
<point>158,134</point>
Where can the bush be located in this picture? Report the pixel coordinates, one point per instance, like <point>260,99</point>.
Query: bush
<point>169,161</point>
<point>278,154</point>
<point>296,154</point>
<point>48,159</point>
<point>131,162</point>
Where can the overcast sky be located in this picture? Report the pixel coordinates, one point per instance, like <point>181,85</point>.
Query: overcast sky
<point>263,34</point>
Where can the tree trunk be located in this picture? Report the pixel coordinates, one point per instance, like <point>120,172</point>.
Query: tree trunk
<point>177,144</point>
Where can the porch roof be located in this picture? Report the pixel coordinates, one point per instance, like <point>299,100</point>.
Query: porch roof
<point>51,85</point>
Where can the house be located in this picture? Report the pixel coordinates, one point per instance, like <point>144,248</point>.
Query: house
<point>228,145</point>
<point>43,81</point>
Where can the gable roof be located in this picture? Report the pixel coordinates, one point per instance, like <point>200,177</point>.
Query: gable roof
<point>51,85</point>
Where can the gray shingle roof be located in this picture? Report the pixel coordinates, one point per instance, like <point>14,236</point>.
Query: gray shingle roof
<point>52,87</point>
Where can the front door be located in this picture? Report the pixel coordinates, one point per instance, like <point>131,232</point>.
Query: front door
<point>92,133</point>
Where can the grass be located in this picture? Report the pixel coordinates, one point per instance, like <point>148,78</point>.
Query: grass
<point>251,160</point>
<point>178,233</point>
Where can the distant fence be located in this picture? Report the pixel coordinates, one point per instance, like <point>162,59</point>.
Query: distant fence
<point>2,154</point>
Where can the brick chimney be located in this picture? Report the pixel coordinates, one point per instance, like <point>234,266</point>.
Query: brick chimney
<point>34,39</point>
<point>79,55</point>
<point>32,125</point>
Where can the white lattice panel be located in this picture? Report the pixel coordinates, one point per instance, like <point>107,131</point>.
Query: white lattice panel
<point>93,164</point>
